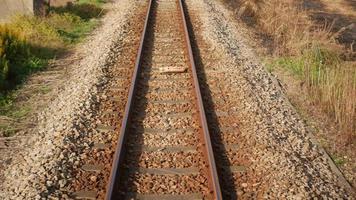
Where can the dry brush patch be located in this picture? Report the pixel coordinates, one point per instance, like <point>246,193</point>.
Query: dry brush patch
<point>30,44</point>
<point>310,51</point>
<point>264,115</point>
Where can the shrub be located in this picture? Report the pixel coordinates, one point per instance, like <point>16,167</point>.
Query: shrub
<point>27,42</point>
<point>64,22</point>
<point>44,38</point>
<point>14,57</point>
<point>85,11</point>
<point>69,27</point>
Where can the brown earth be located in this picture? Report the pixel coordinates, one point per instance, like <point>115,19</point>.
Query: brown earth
<point>337,16</point>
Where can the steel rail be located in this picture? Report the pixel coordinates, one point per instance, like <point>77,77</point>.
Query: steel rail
<point>215,185</point>
<point>116,170</point>
<point>112,187</point>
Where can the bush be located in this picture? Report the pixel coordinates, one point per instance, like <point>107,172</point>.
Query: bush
<point>85,11</point>
<point>45,39</point>
<point>71,28</point>
<point>14,57</point>
<point>27,42</point>
<point>64,22</point>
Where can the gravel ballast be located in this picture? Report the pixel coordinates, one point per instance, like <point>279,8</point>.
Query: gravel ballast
<point>80,125</point>
<point>45,168</point>
<point>281,158</point>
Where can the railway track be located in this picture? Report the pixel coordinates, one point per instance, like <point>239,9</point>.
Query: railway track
<point>164,149</point>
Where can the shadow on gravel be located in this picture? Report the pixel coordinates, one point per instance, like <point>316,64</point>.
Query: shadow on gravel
<point>220,152</point>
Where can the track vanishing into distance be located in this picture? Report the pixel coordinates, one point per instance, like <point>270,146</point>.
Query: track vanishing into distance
<point>164,149</point>
<point>165,102</point>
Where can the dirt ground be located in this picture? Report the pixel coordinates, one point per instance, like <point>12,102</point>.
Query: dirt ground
<point>337,15</point>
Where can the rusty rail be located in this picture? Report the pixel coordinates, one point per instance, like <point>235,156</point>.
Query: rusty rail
<point>120,151</point>
<point>116,170</point>
<point>215,186</point>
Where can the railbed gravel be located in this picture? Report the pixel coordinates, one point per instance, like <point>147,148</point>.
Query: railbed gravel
<point>167,184</point>
<point>66,128</point>
<point>282,160</point>
<point>166,160</point>
<point>274,144</point>
<point>164,119</point>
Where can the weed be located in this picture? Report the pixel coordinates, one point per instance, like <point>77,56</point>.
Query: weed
<point>8,132</point>
<point>94,2</point>
<point>339,161</point>
<point>310,52</point>
<point>44,89</point>
<point>6,102</point>
<point>85,11</point>
<point>331,83</point>
<point>20,112</point>
<point>71,28</point>
<point>28,42</point>
<point>15,56</point>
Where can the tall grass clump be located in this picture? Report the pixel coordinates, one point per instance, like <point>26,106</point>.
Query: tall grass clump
<point>15,58</point>
<point>311,52</point>
<point>28,42</point>
<point>45,39</point>
<point>331,84</point>
<point>85,9</point>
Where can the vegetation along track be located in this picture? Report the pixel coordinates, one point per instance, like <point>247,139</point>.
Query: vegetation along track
<point>164,149</point>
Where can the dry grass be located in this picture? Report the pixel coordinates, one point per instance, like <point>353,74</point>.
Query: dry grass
<point>249,8</point>
<point>312,52</point>
<point>27,43</point>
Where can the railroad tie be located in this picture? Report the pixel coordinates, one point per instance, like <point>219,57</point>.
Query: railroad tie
<point>166,149</point>
<point>105,128</point>
<point>92,168</point>
<point>192,196</point>
<point>85,195</point>
<point>171,101</point>
<point>166,171</point>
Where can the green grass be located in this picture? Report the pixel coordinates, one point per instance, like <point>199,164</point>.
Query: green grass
<point>331,83</point>
<point>44,89</point>
<point>19,113</point>
<point>6,102</point>
<point>312,63</point>
<point>95,2</point>
<point>339,160</point>
<point>294,64</point>
<point>312,53</point>
<point>8,132</point>
<point>78,33</point>
<point>86,10</point>
<point>28,42</point>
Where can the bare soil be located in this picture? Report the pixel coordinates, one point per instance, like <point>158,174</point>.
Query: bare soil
<point>337,16</point>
